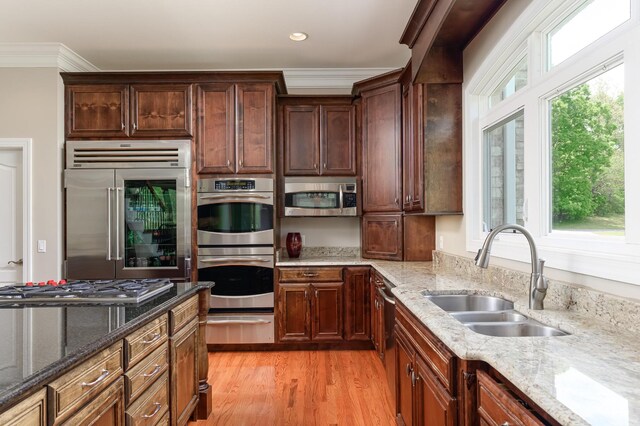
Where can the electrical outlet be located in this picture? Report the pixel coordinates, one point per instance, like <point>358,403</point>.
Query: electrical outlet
<point>441,242</point>
<point>304,240</point>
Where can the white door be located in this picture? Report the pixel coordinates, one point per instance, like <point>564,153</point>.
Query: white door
<point>11,205</point>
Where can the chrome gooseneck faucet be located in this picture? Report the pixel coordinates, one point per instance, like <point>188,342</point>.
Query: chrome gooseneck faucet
<point>538,284</point>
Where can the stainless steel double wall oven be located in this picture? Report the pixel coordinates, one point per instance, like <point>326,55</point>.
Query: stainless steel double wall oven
<point>236,251</point>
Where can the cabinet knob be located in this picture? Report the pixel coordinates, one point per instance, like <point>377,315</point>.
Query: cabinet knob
<point>240,162</point>
<point>122,125</point>
<point>315,165</point>
<point>228,163</point>
<point>316,294</point>
<point>396,200</point>
<point>305,295</point>
<point>324,166</point>
<point>505,424</point>
<point>135,126</point>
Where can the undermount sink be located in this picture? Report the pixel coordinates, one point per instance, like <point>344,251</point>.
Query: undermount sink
<point>488,316</point>
<point>516,329</point>
<point>491,316</point>
<point>469,302</point>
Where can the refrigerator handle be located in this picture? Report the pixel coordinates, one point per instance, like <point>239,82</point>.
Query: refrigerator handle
<point>109,195</point>
<point>118,192</point>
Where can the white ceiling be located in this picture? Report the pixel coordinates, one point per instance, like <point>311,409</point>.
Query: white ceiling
<point>215,34</point>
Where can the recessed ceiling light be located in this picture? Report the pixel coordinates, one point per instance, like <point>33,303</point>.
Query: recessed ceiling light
<point>298,36</point>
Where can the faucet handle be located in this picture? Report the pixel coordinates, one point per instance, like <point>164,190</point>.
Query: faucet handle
<point>541,284</point>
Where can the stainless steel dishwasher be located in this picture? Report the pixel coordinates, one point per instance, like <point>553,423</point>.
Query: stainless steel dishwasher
<point>389,341</point>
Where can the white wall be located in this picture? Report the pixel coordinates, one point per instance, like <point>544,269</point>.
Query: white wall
<point>452,228</point>
<point>31,106</point>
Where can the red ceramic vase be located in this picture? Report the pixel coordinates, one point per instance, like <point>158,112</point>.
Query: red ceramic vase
<point>294,244</point>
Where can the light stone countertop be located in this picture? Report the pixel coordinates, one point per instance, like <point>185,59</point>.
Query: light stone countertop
<point>589,377</point>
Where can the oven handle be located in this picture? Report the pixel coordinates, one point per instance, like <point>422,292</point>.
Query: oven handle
<point>240,196</point>
<point>227,322</point>
<point>226,260</point>
<point>341,199</point>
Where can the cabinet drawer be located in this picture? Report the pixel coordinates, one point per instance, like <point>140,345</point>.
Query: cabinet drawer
<point>69,392</point>
<point>435,353</point>
<point>312,274</point>
<point>496,405</point>
<point>146,372</point>
<point>145,340</point>
<point>182,314</point>
<point>30,411</point>
<point>152,405</point>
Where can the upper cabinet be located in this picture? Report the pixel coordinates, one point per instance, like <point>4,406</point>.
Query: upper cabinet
<point>235,128</point>
<point>160,110</point>
<point>412,144</point>
<point>318,136</point>
<point>100,110</point>
<point>381,143</point>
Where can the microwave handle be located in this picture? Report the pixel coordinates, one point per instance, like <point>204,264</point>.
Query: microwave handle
<point>341,198</point>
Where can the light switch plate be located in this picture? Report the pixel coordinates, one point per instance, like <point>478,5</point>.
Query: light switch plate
<point>42,246</point>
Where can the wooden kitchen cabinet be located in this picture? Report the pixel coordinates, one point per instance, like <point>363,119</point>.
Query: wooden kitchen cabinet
<point>97,110</point>
<point>426,373</point>
<point>382,236</point>
<point>357,320</point>
<point>310,305</point>
<point>30,411</point>
<point>161,110</point>
<point>318,136</point>
<point>381,143</point>
<point>234,128</point>
<point>377,315</point>
<point>412,144</point>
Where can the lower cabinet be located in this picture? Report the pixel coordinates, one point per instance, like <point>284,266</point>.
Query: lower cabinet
<point>184,373</point>
<point>377,315</point>
<point>357,318</point>
<point>425,381</point>
<point>29,411</point>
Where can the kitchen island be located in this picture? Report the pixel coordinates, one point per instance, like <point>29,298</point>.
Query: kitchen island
<point>587,377</point>
<point>45,346</point>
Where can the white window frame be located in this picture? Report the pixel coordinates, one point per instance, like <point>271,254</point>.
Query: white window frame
<point>612,258</point>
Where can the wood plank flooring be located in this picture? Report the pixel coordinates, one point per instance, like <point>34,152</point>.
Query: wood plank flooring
<point>305,388</point>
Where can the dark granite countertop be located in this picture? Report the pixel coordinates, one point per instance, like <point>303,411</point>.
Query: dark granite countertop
<point>39,343</point>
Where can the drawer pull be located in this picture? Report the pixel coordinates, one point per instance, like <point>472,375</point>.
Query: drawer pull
<point>157,409</point>
<point>505,424</point>
<point>154,372</point>
<point>103,375</point>
<point>155,338</point>
<point>310,274</point>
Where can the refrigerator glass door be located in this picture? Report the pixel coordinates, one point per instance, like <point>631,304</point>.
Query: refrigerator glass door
<point>152,228</point>
<point>90,211</point>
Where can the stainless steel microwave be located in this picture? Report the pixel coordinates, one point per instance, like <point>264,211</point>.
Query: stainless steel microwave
<point>320,198</point>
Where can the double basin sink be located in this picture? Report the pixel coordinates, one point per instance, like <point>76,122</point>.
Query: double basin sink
<point>492,316</point>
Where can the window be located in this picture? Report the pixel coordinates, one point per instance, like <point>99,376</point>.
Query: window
<point>544,145</point>
<point>504,172</point>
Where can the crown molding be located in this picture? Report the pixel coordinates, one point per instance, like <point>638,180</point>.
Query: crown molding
<point>328,78</point>
<point>43,55</point>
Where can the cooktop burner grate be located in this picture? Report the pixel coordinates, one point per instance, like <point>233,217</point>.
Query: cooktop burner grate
<point>84,291</point>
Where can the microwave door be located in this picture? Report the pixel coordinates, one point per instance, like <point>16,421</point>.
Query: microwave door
<point>90,218</point>
<point>153,224</point>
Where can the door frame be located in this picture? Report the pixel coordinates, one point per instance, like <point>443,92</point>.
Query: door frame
<point>24,145</point>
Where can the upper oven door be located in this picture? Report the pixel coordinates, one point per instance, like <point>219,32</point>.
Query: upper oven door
<point>235,218</point>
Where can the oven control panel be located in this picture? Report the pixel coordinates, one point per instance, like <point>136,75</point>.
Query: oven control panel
<point>235,185</point>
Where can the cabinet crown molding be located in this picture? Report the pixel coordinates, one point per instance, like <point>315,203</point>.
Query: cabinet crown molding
<point>43,55</point>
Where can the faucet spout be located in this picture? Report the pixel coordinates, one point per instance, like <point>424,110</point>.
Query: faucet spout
<point>538,284</point>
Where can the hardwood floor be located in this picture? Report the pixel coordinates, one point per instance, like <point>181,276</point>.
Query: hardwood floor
<point>303,388</point>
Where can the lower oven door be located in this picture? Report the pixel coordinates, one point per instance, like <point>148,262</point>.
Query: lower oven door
<point>240,328</point>
<point>243,277</point>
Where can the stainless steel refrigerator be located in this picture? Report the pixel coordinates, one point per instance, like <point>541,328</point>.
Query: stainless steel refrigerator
<point>128,209</point>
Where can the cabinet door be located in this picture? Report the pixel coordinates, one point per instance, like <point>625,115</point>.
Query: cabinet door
<point>301,140</point>
<point>30,411</point>
<point>254,127</point>
<point>382,236</point>
<point>97,110</point>
<point>293,317</point>
<point>106,409</point>
<point>338,140</point>
<point>215,128</point>
<point>160,110</point>
<point>404,383</point>
<point>327,311</point>
<point>434,405</point>
<point>412,144</point>
<point>381,139</point>
<point>184,373</point>
<point>357,321</point>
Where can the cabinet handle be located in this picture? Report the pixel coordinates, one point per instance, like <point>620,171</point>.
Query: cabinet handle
<point>155,338</point>
<point>310,274</point>
<point>153,373</point>
<point>122,125</point>
<point>505,424</point>
<point>396,200</point>
<point>410,198</point>
<point>101,377</point>
<point>135,126</point>
<point>240,162</point>
<point>316,293</point>
<point>414,378</point>
<point>228,163</point>
<point>408,369</point>
<point>315,165</point>
<point>324,166</point>
<point>148,416</point>
<point>305,295</point>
